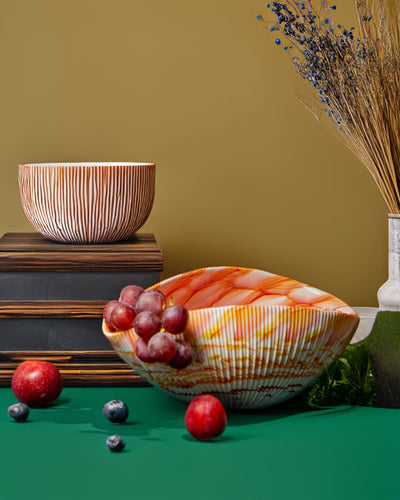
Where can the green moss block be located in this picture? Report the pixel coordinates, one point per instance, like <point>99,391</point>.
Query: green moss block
<point>383,346</point>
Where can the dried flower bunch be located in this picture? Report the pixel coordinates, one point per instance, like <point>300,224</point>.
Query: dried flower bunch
<point>356,75</point>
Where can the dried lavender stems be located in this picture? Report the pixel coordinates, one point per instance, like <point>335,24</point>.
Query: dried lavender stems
<point>356,77</point>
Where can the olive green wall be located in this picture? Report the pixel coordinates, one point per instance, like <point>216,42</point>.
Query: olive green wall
<point>245,174</point>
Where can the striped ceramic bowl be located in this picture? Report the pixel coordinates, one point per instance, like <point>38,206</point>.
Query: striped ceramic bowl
<point>258,338</point>
<point>87,202</point>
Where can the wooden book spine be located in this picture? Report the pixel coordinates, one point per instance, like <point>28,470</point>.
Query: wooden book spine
<point>30,251</point>
<point>78,368</point>
<point>74,261</point>
<point>52,308</point>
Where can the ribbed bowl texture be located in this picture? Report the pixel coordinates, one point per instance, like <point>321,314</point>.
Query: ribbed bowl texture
<point>87,202</point>
<point>258,338</point>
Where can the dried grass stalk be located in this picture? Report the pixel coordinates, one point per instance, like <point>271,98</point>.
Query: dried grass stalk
<point>356,77</point>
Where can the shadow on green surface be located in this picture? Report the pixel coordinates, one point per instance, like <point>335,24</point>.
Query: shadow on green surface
<point>64,415</point>
<point>287,409</point>
<point>333,410</point>
<point>150,412</point>
<point>58,402</point>
<point>283,410</point>
<point>220,439</point>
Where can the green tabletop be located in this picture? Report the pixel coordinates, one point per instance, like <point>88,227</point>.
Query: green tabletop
<point>286,452</point>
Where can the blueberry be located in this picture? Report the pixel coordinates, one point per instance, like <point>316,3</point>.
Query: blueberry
<point>115,443</point>
<point>19,412</point>
<point>116,411</point>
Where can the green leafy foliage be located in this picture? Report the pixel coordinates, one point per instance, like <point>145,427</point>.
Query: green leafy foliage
<point>347,381</point>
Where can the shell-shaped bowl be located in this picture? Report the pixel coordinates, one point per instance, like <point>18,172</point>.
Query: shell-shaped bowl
<point>258,338</point>
<point>87,202</point>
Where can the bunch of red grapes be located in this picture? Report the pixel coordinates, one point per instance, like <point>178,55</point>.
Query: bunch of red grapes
<point>155,324</point>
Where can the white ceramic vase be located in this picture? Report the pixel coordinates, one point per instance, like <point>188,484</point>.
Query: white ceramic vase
<point>389,292</point>
<point>383,343</point>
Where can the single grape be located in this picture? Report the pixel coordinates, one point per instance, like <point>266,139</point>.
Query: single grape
<point>162,347</point>
<point>142,351</point>
<point>108,309</point>
<point>146,324</point>
<point>122,316</point>
<point>129,294</point>
<point>152,300</point>
<point>183,356</point>
<point>174,319</point>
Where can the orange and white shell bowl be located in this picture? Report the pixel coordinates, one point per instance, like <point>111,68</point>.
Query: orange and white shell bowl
<point>258,338</point>
<point>87,202</point>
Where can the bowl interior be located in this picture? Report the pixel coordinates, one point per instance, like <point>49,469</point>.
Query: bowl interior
<point>238,286</point>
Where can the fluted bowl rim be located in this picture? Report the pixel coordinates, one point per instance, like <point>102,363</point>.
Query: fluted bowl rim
<point>345,310</point>
<point>88,164</point>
